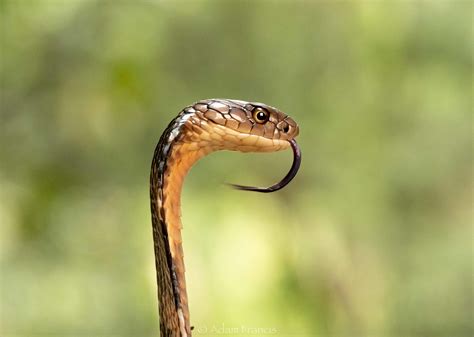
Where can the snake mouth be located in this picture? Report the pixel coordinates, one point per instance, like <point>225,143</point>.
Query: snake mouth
<point>286,179</point>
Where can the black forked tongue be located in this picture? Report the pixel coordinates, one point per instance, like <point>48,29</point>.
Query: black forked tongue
<point>285,181</point>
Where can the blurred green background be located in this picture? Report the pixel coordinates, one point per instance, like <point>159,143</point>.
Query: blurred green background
<point>373,237</point>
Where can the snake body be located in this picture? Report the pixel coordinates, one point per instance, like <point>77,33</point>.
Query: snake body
<point>199,129</point>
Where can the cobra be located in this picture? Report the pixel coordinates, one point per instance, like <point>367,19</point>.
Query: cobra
<point>199,129</point>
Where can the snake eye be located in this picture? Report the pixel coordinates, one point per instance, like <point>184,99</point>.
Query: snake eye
<point>260,115</point>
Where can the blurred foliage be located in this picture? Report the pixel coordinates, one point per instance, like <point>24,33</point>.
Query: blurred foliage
<point>373,237</point>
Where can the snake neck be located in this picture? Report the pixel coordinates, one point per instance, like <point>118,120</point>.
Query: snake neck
<point>174,156</point>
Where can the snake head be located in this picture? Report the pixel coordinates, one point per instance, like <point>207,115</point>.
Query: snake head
<point>223,124</point>
<point>243,126</point>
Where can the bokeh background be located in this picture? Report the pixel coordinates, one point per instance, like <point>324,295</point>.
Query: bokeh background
<point>373,237</point>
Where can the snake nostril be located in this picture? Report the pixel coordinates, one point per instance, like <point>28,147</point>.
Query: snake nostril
<point>286,129</point>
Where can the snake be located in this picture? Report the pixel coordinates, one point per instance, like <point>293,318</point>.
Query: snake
<point>199,129</point>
